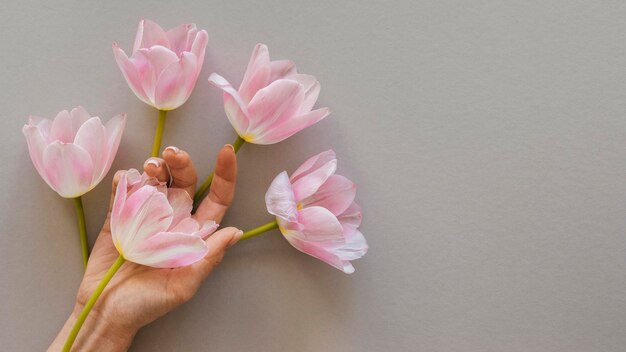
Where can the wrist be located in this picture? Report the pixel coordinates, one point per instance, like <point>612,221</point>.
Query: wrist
<point>98,333</point>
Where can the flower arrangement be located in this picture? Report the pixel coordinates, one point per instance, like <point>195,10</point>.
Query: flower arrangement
<point>152,224</point>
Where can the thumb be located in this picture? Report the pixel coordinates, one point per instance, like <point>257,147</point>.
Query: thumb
<point>218,243</point>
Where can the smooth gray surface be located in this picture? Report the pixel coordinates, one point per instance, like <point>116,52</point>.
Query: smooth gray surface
<point>487,139</point>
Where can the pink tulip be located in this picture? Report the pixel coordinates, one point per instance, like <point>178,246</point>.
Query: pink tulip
<point>152,225</point>
<point>273,101</point>
<point>316,212</point>
<point>73,152</point>
<point>164,66</point>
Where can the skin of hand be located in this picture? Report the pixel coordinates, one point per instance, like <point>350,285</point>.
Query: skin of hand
<point>137,294</point>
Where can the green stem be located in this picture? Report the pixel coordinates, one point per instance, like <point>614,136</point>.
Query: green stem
<point>238,143</point>
<point>259,230</point>
<point>207,183</point>
<point>82,227</point>
<point>92,300</point>
<point>158,135</point>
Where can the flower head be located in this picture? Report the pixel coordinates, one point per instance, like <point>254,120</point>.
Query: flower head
<point>164,66</point>
<point>152,224</point>
<point>73,152</point>
<point>316,212</point>
<point>273,102</point>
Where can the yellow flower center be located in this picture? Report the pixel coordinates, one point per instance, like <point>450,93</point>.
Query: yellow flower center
<point>248,137</point>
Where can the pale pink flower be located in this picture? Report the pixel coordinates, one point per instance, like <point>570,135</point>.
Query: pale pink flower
<point>152,224</point>
<point>273,102</point>
<point>164,66</point>
<point>73,152</point>
<point>316,212</point>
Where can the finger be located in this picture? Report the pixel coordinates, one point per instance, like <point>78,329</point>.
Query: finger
<point>214,206</point>
<point>217,243</point>
<point>155,167</point>
<point>181,169</point>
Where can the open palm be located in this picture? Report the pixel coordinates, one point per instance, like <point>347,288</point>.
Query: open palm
<point>138,294</point>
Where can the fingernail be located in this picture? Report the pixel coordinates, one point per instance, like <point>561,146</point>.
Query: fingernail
<point>173,148</point>
<point>230,146</point>
<point>153,161</point>
<point>236,238</point>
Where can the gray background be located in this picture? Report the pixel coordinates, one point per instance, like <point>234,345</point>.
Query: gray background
<point>487,139</point>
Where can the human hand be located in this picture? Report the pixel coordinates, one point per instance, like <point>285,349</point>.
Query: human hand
<point>137,294</point>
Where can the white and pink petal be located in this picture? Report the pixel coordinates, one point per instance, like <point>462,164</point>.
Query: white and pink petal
<point>308,182</point>
<point>280,200</point>
<point>257,74</point>
<point>145,212</point>
<point>181,205</point>
<point>280,132</point>
<point>134,72</point>
<point>321,253</point>
<point>149,34</point>
<point>311,91</point>
<point>168,250</point>
<point>236,109</point>
<point>91,136</point>
<point>336,195</point>
<point>36,146</point>
<point>282,69</point>
<point>272,105</point>
<point>176,82</point>
<point>181,37</point>
<point>68,169</point>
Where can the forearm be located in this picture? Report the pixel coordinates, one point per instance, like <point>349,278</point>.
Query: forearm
<point>97,334</point>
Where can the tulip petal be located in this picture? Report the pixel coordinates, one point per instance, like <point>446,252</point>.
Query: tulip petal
<point>208,228</point>
<point>69,169</point>
<point>311,90</point>
<point>351,218</point>
<point>36,146</point>
<point>149,34</point>
<point>181,205</point>
<point>236,109</point>
<point>181,37</point>
<point>323,254</point>
<point>282,68</point>
<point>355,247</point>
<point>286,129</point>
<point>257,74</point>
<point>187,225</point>
<point>44,125</point>
<point>280,200</point>
<point>137,180</point>
<point>118,206</point>
<point>176,83</point>
<point>275,103</point>
<point>198,48</point>
<point>79,117</point>
<point>146,212</point>
<point>306,184</point>
<point>113,134</point>
<point>150,63</point>
<point>313,163</point>
<point>336,195</point>
<point>169,250</point>
<point>320,225</point>
<point>132,73</point>
<point>36,120</point>
<point>62,128</point>
<point>92,137</point>
<point>159,57</point>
